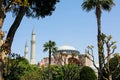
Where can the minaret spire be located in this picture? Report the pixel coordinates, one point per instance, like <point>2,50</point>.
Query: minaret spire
<point>33,47</point>
<point>26,51</point>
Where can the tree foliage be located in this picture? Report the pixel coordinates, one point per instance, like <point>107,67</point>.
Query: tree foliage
<point>114,66</point>
<point>87,73</point>
<point>35,8</point>
<point>18,68</point>
<point>33,72</point>
<point>71,72</point>
<point>66,72</point>
<point>15,67</point>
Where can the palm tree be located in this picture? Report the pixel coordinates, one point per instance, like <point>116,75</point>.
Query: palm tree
<point>50,47</point>
<point>98,5</point>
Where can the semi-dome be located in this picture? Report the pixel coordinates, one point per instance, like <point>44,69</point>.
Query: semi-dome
<point>66,47</point>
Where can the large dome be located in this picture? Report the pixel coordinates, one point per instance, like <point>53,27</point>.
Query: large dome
<point>66,47</point>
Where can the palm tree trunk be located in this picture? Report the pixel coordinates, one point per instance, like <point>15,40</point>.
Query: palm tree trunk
<point>49,57</point>
<point>98,16</point>
<point>49,65</point>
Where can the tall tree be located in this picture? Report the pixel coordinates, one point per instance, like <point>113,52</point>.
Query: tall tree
<point>98,5</point>
<point>51,48</point>
<point>20,8</point>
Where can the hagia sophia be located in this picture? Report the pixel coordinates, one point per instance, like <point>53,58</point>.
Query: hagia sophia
<point>64,55</point>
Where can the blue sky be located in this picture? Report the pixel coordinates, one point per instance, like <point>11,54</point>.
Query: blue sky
<point>68,24</point>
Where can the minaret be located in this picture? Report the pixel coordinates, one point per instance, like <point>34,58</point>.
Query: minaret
<point>26,51</point>
<point>33,47</point>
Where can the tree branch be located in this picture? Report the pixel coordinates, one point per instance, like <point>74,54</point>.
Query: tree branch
<point>91,54</point>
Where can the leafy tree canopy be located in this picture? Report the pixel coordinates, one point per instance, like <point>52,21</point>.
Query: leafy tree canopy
<point>35,8</point>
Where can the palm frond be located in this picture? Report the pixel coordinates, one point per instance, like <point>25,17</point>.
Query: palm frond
<point>54,49</point>
<point>88,5</point>
<point>46,46</point>
<point>45,49</point>
<point>107,4</point>
<point>50,46</point>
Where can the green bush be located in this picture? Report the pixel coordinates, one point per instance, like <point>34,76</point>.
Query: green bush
<point>87,73</point>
